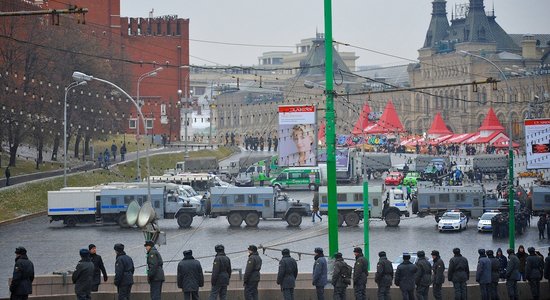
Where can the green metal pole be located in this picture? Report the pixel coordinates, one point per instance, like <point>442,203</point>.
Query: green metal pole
<point>330,136</point>
<point>512,213</point>
<point>366,216</point>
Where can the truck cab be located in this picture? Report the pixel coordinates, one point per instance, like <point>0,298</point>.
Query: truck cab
<point>396,198</point>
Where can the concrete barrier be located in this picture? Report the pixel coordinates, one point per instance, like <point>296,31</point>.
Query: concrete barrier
<point>60,287</point>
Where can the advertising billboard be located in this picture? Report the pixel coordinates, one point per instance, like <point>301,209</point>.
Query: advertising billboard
<point>537,143</point>
<point>342,158</point>
<point>297,129</point>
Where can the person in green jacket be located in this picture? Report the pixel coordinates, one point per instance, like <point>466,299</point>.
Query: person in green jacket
<point>155,273</point>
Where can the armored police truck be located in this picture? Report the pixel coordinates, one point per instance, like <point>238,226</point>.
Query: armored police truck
<point>249,204</point>
<point>540,199</point>
<point>350,204</point>
<point>436,200</point>
<point>108,204</point>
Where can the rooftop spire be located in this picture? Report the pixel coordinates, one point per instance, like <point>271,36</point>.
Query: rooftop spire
<point>439,25</point>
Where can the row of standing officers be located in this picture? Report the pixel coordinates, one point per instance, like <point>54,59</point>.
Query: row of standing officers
<point>414,280</point>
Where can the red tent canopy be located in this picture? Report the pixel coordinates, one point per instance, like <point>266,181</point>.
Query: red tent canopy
<point>439,126</point>
<point>363,121</point>
<point>491,122</point>
<point>458,138</point>
<point>502,142</point>
<point>388,123</point>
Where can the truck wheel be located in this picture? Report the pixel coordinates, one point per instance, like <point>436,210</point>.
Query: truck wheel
<point>352,219</point>
<point>340,219</point>
<point>277,187</point>
<point>235,219</point>
<point>377,174</point>
<point>122,221</point>
<point>392,219</point>
<point>71,221</point>
<point>185,220</point>
<point>421,214</point>
<point>312,187</point>
<point>415,206</point>
<point>252,219</point>
<point>294,219</point>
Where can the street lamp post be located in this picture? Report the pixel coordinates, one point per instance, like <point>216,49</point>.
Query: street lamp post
<point>185,99</point>
<point>512,220</point>
<point>143,76</point>
<point>78,76</point>
<point>69,87</point>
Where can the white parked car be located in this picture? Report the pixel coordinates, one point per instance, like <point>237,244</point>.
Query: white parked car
<point>452,220</point>
<point>484,223</point>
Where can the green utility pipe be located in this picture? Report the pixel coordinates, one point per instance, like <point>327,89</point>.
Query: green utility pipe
<point>330,136</point>
<point>366,216</point>
<point>512,213</point>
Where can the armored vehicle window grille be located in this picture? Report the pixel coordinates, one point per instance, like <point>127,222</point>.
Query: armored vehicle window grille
<point>324,199</point>
<point>252,199</point>
<point>432,199</point>
<point>375,202</point>
<point>224,200</point>
<point>267,202</point>
<point>342,197</point>
<point>239,199</point>
<point>141,199</point>
<point>357,197</point>
<point>128,199</point>
<point>157,204</point>
<point>476,201</point>
<point>547,198</point>
<point>113,201</point>
<point>460,198</point>
<point>444,198</point>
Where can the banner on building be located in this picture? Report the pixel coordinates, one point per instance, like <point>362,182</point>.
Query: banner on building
<point>537,143</point>
<point>297,131</point>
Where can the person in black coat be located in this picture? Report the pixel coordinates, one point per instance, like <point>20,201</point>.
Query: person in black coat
<point>383,276</point>
<point>124,273</point>
<point>252,274</point>
<point>495,275</point>
<point>23,275</point>
<point>360,273</point>
<point>221,274</point>
<point>286,277</point>
<point>459,273</point>
<point>83,276</point>
<point>190,276</point>
<point>503,262</point>
<point>547,267</point>
<point>405,277</point>
<point>534,268</point>
<point>423,276</point>
<point>438,275</point>
<point>512,275</point>
<point>99,267</point>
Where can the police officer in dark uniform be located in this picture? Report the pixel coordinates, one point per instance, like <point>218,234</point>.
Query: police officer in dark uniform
<point>124,273</point>
<point>221,273</point>
<point>423,276</point>
<point>83,276</point>
<point>360,274</point>
<point>383,276</point>
<point>405,276</point>
<point>319,277</point>
<point>339,279</point>
<point>23,275</point>
<point>286,277</point>
<point>275,143</point>
<point>252,274</point>
<point>512,275</point>
<point>155,273</point>
<point>99,267</point>
<point>190,276</point>
<point>534,268</point>
<point>459,273</point>
<point>495,275</point>
<point>438,276</point>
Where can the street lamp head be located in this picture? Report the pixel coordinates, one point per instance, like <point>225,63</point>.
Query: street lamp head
<point>180,92</point>
<point>79,76</point>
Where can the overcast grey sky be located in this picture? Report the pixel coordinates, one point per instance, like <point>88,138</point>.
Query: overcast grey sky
<point>395,27</point>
